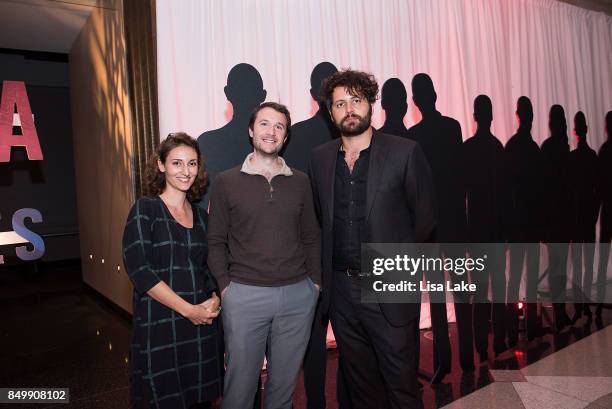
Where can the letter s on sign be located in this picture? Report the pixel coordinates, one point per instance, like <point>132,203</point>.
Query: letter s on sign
<point>37,241</point>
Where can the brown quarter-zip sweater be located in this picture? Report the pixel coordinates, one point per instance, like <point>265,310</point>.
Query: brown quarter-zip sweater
<point>263,233</point>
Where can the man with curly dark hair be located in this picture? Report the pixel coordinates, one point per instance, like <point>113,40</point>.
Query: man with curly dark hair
<point>369,186</point>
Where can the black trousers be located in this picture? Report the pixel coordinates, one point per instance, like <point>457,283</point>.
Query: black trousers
<point>605,235</point>
<point>495,269</point>
<point>439,324</point>
<point>315,366</point>
<point>378,361</point>
<point>315,362</point>
<point>583,252</point>
<point>463,312</point>
<point>557,277</point>
<point>602,270</point>
<point>528,254</point>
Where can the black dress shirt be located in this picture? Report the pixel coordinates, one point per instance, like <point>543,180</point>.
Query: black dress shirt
<point>350,190</point>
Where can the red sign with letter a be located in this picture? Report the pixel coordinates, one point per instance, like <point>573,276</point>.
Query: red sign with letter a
<point>14,94</point>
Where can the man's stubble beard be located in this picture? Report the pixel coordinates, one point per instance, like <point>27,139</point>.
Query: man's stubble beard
<point>363,124</point>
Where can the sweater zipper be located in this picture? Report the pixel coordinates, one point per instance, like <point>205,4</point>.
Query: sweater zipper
<point>271,191</point>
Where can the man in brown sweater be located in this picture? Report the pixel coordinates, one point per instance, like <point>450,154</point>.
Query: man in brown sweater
<point>264,250</point>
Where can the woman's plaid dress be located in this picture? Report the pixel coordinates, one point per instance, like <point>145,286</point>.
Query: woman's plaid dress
<point>174,363</point>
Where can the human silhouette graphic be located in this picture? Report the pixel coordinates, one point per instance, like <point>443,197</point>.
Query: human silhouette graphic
<point>585,207</point>
<point>394,102</point>
<point>318,129</point>
<point>305,136</point>
<point>605,222</point>
<point>227,146</point>
<point>557,211</point>
<point>440,138</point>
<point>523,214</point>
<point>483,156</point>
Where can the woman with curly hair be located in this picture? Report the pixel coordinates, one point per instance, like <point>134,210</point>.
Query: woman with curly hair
<point>176,350</point>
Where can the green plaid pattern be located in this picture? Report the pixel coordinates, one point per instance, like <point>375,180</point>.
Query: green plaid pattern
<point>174,363</point>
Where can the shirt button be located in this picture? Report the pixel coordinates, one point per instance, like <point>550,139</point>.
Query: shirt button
<point>352,182</point>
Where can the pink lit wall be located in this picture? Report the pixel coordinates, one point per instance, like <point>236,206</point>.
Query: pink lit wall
<point>550,51</point>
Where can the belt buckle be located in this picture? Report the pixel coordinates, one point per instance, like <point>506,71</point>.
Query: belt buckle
<point>352,273</point>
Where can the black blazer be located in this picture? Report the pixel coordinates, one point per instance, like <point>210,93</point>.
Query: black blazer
<point>399,204</point>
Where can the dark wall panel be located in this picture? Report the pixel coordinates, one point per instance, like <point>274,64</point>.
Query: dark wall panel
<point>47,185</point>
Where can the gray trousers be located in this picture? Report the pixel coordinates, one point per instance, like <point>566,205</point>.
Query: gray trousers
<point>270,321</point>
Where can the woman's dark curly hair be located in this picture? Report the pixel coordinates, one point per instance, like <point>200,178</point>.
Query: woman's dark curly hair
<point>358,83</point>
<point>156,180</point>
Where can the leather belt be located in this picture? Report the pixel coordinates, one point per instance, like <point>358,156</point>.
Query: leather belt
<point>354,273</point>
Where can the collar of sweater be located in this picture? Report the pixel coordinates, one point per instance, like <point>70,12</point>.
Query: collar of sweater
<point>249,169</point>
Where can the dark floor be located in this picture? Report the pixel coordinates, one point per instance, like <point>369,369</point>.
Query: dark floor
<point>57,333</point>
